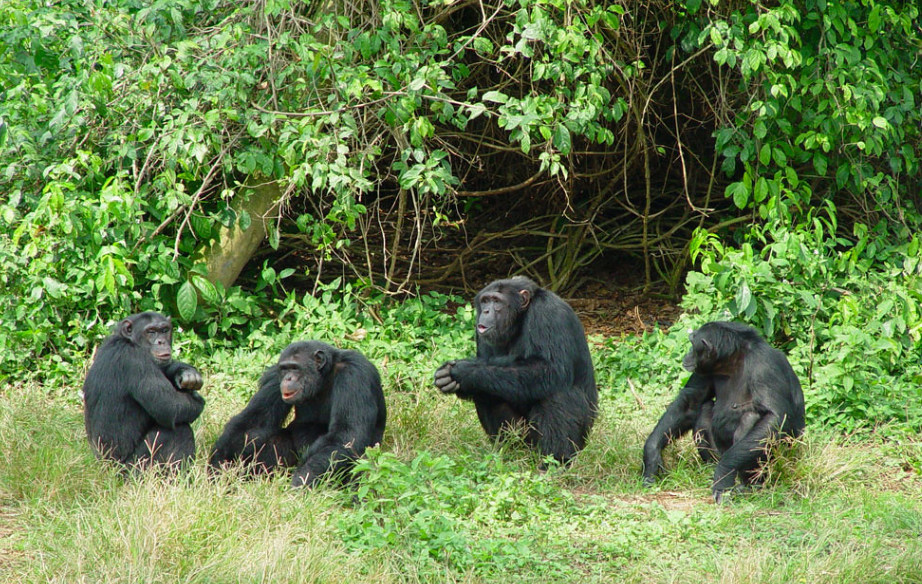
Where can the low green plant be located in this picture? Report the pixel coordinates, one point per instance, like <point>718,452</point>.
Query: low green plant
<point>454,514</point>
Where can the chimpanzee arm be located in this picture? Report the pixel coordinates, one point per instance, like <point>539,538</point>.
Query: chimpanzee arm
<point>515,380</point>
<point>260,419</point>
<point>679,418</point>
<point>353,413</point>
<point>157,395</point>
<point>184,377</point>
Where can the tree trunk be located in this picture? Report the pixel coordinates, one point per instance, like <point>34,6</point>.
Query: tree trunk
<point>226,256</point>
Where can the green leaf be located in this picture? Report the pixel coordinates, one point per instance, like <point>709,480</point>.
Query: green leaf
<point>187,301</point>
<point>761,190</point>
<point>201,226</point>
<point>209,292</point>
<point>740,194</point>
<point>562,139</point>
<point>879,121</point>
<point>743,298</point>
<point>819,163</point>
<point>874,18</point>
<point>765,154</point>
<point>495,96</point>
<point>244,220</point>
<point>417,84</point>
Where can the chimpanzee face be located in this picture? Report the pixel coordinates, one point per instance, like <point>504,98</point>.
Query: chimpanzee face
<point>499,313</point>
<point>302,372</point>
<point>150,331</point>
<point>703,356</point>
<point>714,348</point>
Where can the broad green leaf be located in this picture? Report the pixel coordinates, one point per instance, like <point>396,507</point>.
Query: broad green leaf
<point>562,139</point>
<point>874,18</point>
<point>495,96</point>
<point>207,289</point>
<point>187,300</point>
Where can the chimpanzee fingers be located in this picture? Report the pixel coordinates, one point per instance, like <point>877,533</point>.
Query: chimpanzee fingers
<point>190,380</point>
<point>722,495</point>
<point>443,375</point>
<point>446,384</point>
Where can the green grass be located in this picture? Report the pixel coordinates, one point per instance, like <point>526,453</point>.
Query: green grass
<point>438,503</point>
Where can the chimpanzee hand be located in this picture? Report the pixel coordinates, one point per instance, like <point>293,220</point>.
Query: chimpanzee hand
<point>443,379</point>
<point>724,484</point>
<point>652,463</point>
<point>189,380</point>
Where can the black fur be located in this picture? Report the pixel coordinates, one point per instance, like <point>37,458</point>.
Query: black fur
<point>532,367</point>
<point>742,393</point>
<point>339,412</point>
<point>138,401</point>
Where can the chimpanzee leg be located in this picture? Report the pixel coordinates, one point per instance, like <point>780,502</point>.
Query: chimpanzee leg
<point>559,425</point>
<point>267,449</point>
<point>165,446</point>
<point>704,438</point>
<point>495,414</point>
<point>302,436</point>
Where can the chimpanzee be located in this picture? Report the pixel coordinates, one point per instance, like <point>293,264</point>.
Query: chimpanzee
<point>339,412</point>
<point>742,393</point>
<point>532,367</point>
<point>138,401</point>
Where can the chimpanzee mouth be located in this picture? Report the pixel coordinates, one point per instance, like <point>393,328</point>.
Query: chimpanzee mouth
<point>482,328</point>
<point>288,395</point>
<point>162,357</point>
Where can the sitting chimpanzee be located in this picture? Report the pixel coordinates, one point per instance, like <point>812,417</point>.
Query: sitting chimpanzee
<point>532,367</point>
<point>138,401</point>
<point>742,393</point>
<point>339,412</point>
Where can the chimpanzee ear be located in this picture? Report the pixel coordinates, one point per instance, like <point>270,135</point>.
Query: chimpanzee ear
<point>708,347</point>
<point>125,328</point>
<point>526,297</point>
<point>321,359</point>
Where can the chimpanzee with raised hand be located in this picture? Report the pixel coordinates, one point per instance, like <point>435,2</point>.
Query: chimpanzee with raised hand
<point>532,368</point>
<point>138,402</point>
<point>339,412</point>
<point>742,393</point>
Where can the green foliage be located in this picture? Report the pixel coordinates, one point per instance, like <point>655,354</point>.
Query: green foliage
<point>126,129</point>
<point>849,314</point>
<point>454,515</point>
<point>828,94</point>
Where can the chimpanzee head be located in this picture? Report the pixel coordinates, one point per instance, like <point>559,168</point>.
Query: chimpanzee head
<point>501,306</point>
<point>713,345</point>
<point>149,331</point>
<point>303,367</point>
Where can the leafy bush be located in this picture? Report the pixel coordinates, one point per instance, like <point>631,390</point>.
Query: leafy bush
<point>466,515</point>
<point>826,97</point>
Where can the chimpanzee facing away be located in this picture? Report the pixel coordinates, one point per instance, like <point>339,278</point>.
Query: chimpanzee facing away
<point>339,412</point>
<point>532,367</point>
<point>138,401</point>
<point>742,392</point>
